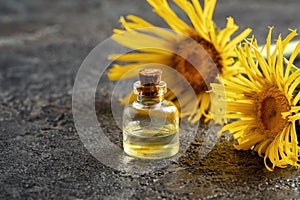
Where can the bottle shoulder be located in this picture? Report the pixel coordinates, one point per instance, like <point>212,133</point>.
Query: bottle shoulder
<point>157,106</point>
<point>163,112</point>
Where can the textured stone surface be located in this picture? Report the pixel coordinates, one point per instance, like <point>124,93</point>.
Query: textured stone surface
<point>42,44</point>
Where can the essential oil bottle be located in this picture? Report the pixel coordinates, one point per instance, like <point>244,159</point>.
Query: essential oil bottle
<point>151,123</point>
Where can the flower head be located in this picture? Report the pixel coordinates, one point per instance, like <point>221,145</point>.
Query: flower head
<point>203,33</point>
<point>264,103</point>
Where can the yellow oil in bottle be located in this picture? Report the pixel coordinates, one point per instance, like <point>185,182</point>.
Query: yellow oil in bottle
<point>151,143</point>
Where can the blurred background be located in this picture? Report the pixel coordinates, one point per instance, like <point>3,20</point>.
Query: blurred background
<point>42,44</point>
<point>51,38</point>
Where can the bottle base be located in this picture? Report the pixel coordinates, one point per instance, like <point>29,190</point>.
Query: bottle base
<point>151,152</point>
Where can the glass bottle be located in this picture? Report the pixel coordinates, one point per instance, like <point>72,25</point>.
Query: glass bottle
<point>151,123</point>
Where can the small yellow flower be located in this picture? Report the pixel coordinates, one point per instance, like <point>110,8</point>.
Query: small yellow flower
<point>264,102</point>
<point>216,43</point>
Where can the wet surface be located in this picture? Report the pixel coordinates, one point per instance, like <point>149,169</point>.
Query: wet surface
<point>42,44</point>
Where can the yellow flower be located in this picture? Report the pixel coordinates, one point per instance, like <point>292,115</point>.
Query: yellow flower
<point>263,102</point>
<point>216,43</point>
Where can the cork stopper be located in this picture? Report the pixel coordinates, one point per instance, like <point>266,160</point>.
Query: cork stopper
<point>150,76</point>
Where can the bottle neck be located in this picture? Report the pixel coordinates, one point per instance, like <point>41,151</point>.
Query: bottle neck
<point>151,93</point>
<point>149,100</point>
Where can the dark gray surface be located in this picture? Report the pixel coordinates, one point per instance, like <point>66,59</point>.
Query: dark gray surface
<point>42,44</point>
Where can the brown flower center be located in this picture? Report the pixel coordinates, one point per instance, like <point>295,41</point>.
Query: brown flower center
<point>271,103</point>
<point>203,58</point>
